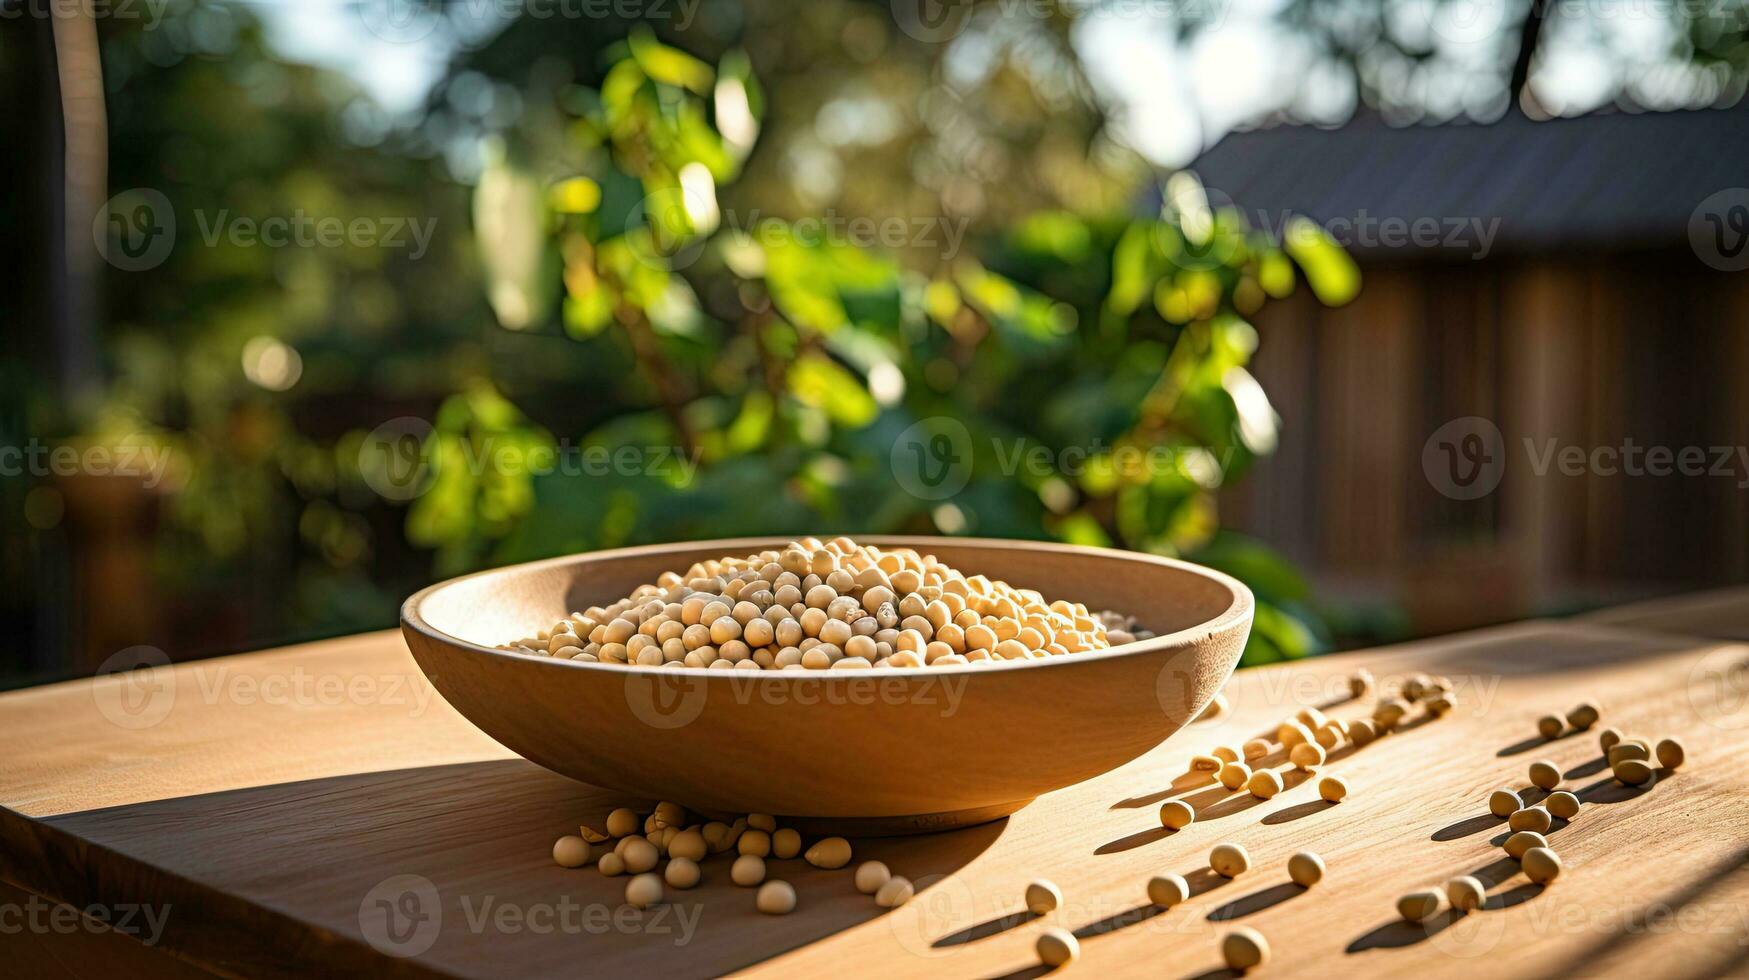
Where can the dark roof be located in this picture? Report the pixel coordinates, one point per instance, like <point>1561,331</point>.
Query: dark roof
<point>1606,181</point>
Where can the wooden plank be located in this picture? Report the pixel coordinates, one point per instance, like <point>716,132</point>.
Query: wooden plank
<point>273,825</point>
<point>1720,613</point>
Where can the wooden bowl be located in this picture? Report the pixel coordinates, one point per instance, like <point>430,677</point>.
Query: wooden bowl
<point>865,752</point>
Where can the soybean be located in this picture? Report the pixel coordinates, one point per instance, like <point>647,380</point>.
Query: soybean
<point>1530,818</point>
<point>1244,949</point>
<point>1633,772</point>
<point>611,865</point>
<point>681,872</point>
<point>1264,783</point>
<point>1205,763</point>
<point>688,844</point>
<point>1465,893</point>
<point>895,892</point>
<point>1632,748</point>
<point>747,871</point>
<point>1608,739</point>
<point>1671,754</point>
<point>1306,869</point>
<point>1562,804</point>
<point>1523,841</point>
<point>1176,814</point>
<point>1168,890</point>
<point>644,891</point>
<point>1057,947</point>
<point>1550,726</point>
<point>1333,789</point>
<point>1504,803</point>
<point>1225,753</point>
<point>1545,774</point>
<point>775,898</point>
<point>571,852</point>
<point>640,855</point>
<point>870,876</point>
<point>1541,865</point>
<point>1307,756</point>
<point>1420,905</point>
<point>754,842</point>
<point>829,853</point>
<point>1256,749</point>
<point>1229,860</point>
<point>786,843</point>
<point>1235,774</point>
<point>1583,715</point>
<point>1042,896</point>
<point>622,823</point>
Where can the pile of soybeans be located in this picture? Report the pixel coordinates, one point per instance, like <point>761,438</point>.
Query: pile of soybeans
<point>834,605</point>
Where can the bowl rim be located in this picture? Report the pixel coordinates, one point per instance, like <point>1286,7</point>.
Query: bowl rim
<point>1241,608</point>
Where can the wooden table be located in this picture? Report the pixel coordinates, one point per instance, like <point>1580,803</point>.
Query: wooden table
<point>265,813</point>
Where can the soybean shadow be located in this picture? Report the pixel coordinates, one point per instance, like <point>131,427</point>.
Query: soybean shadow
<point>1517,748</point>
<point>1612,791</point>
<point>1221,974</point>
<point>1025,973</point>
<point>1204,880</point>
<point>1513,896</point>
<point>1398,933</point>
<point>1466,827</point>
<point>1140,838</point>
<point>1495,872</point>
<point>1299,810</point>
<point>1584,769</point>
<point>1184,782</point>
<point>1112,923</point>
<point>1256,902</point>
<point>985,929</point>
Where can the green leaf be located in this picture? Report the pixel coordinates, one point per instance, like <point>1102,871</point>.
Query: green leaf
<point>820,382</point>
<point>671,66</point>
<point>1333,276</point>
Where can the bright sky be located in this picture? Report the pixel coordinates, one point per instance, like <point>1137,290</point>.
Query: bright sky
<point>394,58</point>
<point>1172,100</point>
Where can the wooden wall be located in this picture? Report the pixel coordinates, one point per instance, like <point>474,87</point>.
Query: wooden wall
<point>1590,351</point>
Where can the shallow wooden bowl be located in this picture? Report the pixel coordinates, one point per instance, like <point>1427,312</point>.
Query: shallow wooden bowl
<point>877,751</point>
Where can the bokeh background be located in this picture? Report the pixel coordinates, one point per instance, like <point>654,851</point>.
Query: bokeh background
<point>311,303</point>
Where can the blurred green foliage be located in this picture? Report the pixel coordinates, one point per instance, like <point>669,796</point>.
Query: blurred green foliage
<point>1097,361</point>
<point>694,286</point>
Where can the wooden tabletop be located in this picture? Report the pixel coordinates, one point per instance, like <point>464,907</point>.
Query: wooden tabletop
<point>319,808</point>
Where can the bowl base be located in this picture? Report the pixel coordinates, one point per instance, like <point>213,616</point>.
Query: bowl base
<point>895,826</point>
